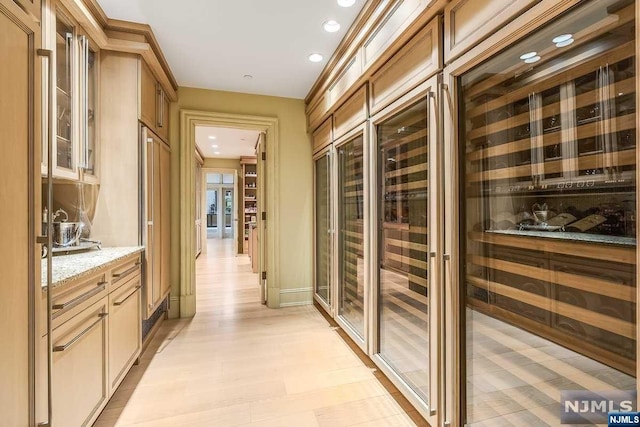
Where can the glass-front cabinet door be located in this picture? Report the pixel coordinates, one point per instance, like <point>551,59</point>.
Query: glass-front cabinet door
<point>547,136</point>
<point>65,148</point>
<point>352,292</point>
<point>406,201</point>
<point>89,66</point>
<point>323,230</point>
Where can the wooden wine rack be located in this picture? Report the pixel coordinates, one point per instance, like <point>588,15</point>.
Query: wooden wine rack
<point>565,127</point>
<point>405,200</point>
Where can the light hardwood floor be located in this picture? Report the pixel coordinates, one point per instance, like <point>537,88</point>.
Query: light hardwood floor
<point>238,363</point>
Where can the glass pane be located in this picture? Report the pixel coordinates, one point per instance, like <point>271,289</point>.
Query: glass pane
<point>227,178</point>
<point>91,106</point>
<point>64,93</point>
<point>548,131</point>
<point>323,226</point>
<point>403,246</point>
<point>351,242</point>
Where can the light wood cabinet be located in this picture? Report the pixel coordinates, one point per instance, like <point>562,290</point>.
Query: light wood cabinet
<point>125,329</point>
<point>350,114</point>
<point>19,133</point>
<point>79,375</point>
<point>77,58</point>
<point>467,22</point>
<point>154,104</point>
<point>157,220</point>
<point>322,137</point>
<point>416,61</point>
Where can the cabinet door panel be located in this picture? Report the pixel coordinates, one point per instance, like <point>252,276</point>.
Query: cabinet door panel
<point>15,139</point>
<point>125,329</point>
<point>147,96</point>
<point>80,367</point>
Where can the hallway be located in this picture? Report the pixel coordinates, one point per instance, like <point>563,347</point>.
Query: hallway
<point>238,363</point>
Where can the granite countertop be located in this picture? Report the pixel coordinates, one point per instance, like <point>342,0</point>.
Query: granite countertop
<point>71,267</point>
<point>576,237</point>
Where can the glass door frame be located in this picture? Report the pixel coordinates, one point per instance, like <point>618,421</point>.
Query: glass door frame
<point>426,91</point>
<point>328,306</point>
<point>455,333</point>
<point>363,131</point>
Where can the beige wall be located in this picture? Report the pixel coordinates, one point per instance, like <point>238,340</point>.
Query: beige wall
<point>210,163</point>
<point>294,197</point>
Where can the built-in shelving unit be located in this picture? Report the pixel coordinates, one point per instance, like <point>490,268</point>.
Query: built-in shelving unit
<point>556,140</point>
<point>250,197</point>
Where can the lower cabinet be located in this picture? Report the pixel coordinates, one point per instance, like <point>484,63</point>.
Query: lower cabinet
<point>125,329</point>
<point>96,339</point>
<point>79,375</point>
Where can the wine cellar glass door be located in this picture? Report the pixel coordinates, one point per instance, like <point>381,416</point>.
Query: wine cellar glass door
<point>323,244</point>
<point>406,250</point>
<point>352,220</point>
<point>547,270</point>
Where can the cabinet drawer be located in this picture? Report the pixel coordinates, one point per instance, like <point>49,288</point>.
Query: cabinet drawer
<point>125,329</point>
<point>467,22</point>
<point>351,113</point>
<point>125,271</point>
<point>322,136</point>
<point>74,298</point>
<point>412,64</point>
<point>80,367</point>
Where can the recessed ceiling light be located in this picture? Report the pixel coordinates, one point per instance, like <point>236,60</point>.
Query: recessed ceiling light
<point>216,152</point>
<point>562,38</point>
<point>331,26</point>
<point>315,57</point>
<point>212,137</point>
<point>565,43</point>
<point>346,3</point>
<point>247,76</point>
<point>528,55</point>
<point>532,60</point>
<point>214,146</point>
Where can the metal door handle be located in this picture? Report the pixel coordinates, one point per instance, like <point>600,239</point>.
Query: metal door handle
<point>77,338</point>
<point>128,296</point>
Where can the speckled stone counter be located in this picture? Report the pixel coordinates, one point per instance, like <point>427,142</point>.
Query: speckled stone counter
<point>576,237</point>
<point>67,268</point>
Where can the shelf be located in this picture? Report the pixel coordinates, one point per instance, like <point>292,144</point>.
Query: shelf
<point>618,54</point>
<point>622,251</point>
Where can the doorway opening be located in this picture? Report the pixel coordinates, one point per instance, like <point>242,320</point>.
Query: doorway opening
<point>220,206</point>
<point>193,237</point>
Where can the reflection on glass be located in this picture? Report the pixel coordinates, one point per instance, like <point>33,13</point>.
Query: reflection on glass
<point>323,225</point>
<point>550,196</point>
<point>92,81</point>
<point>403,246</point>
<point>64,93</point>
<point>350,222</point>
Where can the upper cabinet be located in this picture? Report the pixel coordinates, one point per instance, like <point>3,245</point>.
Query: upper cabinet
<point>75,146</point>
<point>154,103</point>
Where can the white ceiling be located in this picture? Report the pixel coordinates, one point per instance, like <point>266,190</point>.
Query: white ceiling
<point>231,143</point>
<point>213,43</point>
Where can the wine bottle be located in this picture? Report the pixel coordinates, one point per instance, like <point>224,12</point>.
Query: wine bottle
<point>586,223</point>
<point>561,220</point>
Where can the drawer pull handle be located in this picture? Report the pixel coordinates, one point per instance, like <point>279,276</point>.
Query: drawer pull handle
<point>77,338</point>
<point>81,298</point>
<point>126,272</point>
<point>127,297</point>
